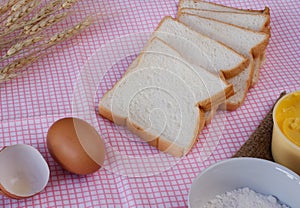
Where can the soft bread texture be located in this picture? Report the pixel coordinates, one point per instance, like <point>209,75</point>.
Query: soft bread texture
<point>201,50</point>
<point>210,110</point>
<point>152,47</point>
<point>161,94</point>
<point>247,42</point>
<point>198,4</point>
<point>256,22</point>
<point>155,46</point>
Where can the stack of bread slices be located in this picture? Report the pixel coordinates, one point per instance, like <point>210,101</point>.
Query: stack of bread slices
<point>204,60</point>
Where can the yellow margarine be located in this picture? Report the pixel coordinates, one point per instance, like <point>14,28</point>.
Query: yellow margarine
<point>288,117</point>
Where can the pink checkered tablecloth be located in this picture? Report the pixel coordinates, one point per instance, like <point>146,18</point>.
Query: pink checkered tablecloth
<point>30,103</point>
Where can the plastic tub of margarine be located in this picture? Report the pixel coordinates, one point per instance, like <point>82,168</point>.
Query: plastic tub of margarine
<point>286,131</point>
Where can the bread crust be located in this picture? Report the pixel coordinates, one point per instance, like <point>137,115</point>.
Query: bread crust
<point>255,55</point>
<point>201,125</point>
<point>216,100</point>
<point>256,51</point>
<point>264,28</point>
<point>209,115</point>
<point>231,106</point>
<point>266,10</point>
<point>106,113</point>
<point>227,73</point>
<point>160,143</point>
<point>259,62</point>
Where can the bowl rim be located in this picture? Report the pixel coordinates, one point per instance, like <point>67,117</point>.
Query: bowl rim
<point>287,171</point>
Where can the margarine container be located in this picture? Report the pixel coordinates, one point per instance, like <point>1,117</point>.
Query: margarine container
<point>286,131</point>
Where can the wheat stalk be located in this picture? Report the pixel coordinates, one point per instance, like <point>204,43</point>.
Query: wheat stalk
<point>45,11</point>
<point>33,29</point>
<point>38,22</point>
<point>19,5</point>
<point>36,28</point>
<point>21,46</point>
<point>19,14</point>
<point>68,4</point>
<point>22,37</point>
<point>59,37</point>
<point>10,70</point>
<point>14,8</point>
<point>7,6</point>
<point>7,9</point>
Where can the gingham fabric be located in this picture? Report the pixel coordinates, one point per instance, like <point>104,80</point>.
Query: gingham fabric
<point>45,92</point>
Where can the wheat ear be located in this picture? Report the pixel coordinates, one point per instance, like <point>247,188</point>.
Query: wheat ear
<point>21,13</point>
<point>36,28</point>
<point>21,46</point>
<point>39,26</point>
<point>10,70</point>
<point>7,6</point>
<point>59,37</point>
<point>68,4</point>
<point>12,11</point>
<point>45,11</point>
<point>14,8</point>
<point>19,5</point>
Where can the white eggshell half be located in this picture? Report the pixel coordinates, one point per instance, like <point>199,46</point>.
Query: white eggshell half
<point>23,171</point>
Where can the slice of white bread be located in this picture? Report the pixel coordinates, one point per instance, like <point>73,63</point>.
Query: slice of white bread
<point>256,22</point>
<point>244,41</point>
<point>198,4</point>
<point>201,50</point>
<point>203,5</point>
<point>160,96</point>
<point>153,46</point>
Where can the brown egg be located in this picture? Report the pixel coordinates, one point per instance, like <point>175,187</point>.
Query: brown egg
<point>76,145</point>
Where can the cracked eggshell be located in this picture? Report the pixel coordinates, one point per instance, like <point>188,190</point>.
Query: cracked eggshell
<point>76,145</point>
<point>23,171</point>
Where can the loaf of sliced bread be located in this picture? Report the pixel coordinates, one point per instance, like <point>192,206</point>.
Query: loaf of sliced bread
<point>247,42</point>
<point>201,50</point>
<point>199,4</point>
<point>256,22</point>
<point>162,97</point>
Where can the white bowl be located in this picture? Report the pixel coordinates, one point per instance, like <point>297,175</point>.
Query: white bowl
<point>260,175</point>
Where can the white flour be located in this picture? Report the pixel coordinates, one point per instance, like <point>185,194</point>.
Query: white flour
<point>243,198</point>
